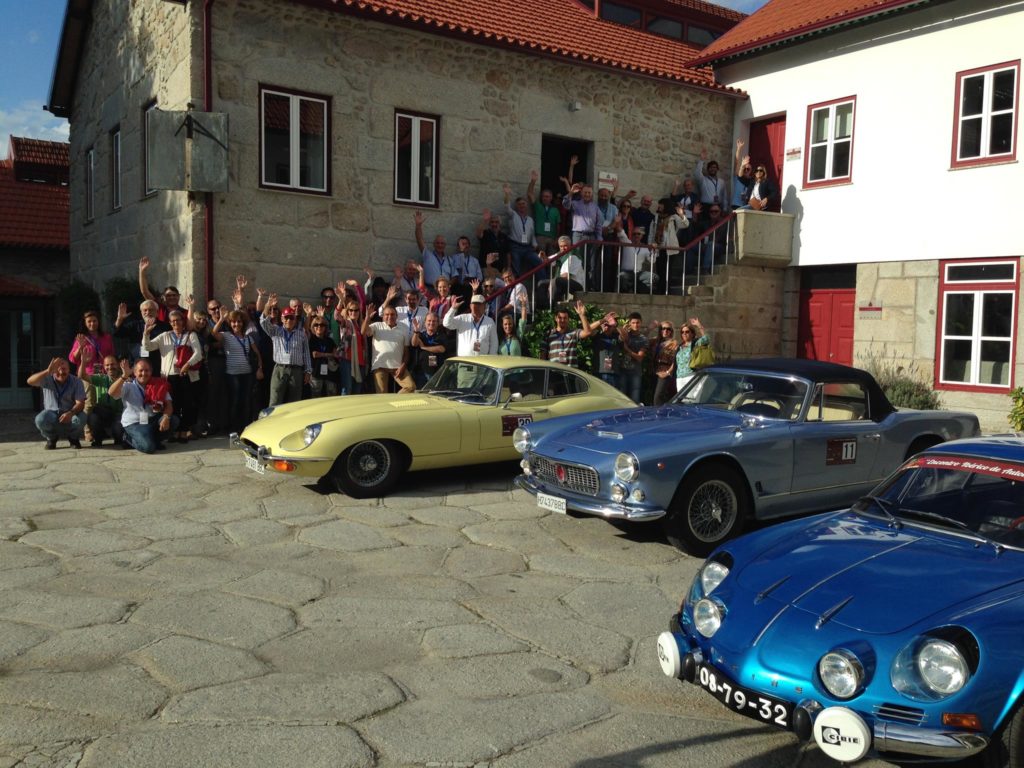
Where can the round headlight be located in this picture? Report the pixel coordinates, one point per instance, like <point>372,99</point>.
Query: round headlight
<point>707,617</point>
<point>942,667</point>
<point>841,673</point>
<point>618,493</point>
<point>265,412</point>
<point>521,439</point>
<point>310,433</point>
<point>711,575</point>
<point>627,468</point>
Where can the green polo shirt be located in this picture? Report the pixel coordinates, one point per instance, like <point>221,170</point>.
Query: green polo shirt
<point>546,220</point>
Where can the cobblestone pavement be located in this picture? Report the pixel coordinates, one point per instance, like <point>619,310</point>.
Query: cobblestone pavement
<point>176,610</point>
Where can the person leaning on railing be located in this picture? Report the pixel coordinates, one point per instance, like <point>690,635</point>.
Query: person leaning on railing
<point>569,274</point>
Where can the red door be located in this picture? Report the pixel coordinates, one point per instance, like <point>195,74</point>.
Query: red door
<point>768,146</point>
<point>826,325</point>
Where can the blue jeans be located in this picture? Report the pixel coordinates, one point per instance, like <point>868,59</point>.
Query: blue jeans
<point>49,426</point>
<point>630,383</point>
<point>146,438</point>
<point>524,257</point>
<point>239,386</point>
<point>344,376</point>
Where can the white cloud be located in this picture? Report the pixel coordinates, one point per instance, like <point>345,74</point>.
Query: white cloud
<point>28,119</point>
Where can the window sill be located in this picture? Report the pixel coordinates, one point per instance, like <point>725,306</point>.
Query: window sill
<point>809,185</point>
<point>981,389</point>
<point>411,204</point>
<point>295,190</point>
<point>966,165</point>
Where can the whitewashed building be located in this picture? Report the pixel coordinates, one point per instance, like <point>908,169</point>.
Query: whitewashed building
<point>892,129</point>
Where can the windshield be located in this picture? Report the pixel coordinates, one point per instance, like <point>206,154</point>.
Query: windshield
<point>981,496</point>
<point>773,397</point>
<point>461,380</point>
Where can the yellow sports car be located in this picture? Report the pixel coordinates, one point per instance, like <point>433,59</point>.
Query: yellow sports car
<point>465,414</point>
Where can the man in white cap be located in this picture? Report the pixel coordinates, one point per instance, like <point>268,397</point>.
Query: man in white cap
<point>476,333</point>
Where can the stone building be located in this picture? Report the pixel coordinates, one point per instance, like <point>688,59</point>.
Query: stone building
<point>345,117</point>
<point>33,259</point>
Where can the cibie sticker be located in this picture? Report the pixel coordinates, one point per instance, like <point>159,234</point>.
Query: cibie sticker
<point>842,734</point>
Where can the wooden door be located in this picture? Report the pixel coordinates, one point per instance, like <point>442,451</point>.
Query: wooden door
<point>826,325</point>
<point>768,146</point>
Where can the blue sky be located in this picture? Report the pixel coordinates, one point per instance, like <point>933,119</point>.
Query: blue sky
<point>28,45</point>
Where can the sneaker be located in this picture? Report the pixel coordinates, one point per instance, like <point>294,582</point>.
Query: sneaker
<point>51,444</point>
<point>75,444</point>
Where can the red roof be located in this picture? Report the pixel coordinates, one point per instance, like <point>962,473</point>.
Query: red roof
<point>39,152</point>
<point>784,20</point>
<point>33,214</point>
<point>10,286</point>
<point>560,28</point>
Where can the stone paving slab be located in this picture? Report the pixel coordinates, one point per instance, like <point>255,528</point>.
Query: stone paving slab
<point>261,621</point>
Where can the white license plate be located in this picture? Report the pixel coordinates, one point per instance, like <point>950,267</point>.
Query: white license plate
<point>552,503</point>
<point>767,709</point>
<point>253,464</point>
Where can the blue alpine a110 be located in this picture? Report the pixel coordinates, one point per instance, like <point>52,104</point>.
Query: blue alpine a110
<point>751,439</point>
<point>891,628</point>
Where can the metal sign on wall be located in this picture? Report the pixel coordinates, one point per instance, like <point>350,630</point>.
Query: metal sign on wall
<point>188,150</point>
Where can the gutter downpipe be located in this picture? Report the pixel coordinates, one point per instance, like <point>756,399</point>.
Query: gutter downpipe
<point>208,107</point>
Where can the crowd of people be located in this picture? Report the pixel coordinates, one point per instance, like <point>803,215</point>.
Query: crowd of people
<point>172,371</point>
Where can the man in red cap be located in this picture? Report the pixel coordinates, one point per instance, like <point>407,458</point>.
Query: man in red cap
<point>292,364</point>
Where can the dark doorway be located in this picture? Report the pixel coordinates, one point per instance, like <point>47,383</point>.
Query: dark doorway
<point>555,152</point>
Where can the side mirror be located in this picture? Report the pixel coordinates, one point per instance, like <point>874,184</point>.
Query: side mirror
<point>515,397</point>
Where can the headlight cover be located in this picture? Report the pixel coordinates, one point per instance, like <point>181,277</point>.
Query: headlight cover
<point>265,412</point>
<point>841,673</point>
<point>311,433</point>
<point>521,439</point>
<point>707,617</point>
<point>627,468</point>
<point>933,668</point>
<point>711,575</point>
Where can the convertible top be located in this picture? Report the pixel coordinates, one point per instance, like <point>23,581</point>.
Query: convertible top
<point>819,371</point>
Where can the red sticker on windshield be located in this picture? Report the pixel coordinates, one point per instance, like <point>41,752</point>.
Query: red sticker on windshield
<point>981,466</point>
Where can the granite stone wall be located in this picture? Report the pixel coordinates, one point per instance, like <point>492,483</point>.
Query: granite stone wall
<point>495,106</point>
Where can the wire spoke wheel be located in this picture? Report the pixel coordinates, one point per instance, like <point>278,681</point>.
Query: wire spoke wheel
<point>713,510</point>
<point>369,464</point>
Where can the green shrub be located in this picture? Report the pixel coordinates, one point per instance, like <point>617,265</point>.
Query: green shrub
<point>1016,415</point>
<point>901,383</point>
<point>544,321</point>
<point>74,300</point>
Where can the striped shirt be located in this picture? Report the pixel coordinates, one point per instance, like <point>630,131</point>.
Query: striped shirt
<point>237,351</point>
<point>290,347</point>
<point>560,347</point>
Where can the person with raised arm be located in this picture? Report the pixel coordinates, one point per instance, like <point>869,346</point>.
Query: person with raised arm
<point>62,416</point>
<point>148,415</point>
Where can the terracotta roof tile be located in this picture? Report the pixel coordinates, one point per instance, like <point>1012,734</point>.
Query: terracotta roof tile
<point>568,31</point>
<point>39,152</point>
<point>10,286</point>
<point>33,214</point>
<point>781,20</point>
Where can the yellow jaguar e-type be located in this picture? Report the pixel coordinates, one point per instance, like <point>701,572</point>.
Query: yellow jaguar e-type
<point>465,414</point>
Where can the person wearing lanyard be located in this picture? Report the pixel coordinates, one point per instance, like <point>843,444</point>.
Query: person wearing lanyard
<point>293,366</point>
<point>148,413</point>
<point>511,331</point>
<point>390,350</point>
<point>435,263</point>
<point>560,344</point>
<point>63,404</point>
<point>431,346</point>
<point>91,333</point>
<point>180,355</point>
<point>477,333</point>
<point>240,348</point>
<point>324,354</point>
<point>522,235</point>
<point>546,217</point>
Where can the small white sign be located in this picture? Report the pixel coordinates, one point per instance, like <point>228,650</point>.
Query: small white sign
<point>606,180</point>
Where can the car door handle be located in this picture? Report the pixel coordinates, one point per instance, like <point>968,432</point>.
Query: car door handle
<point>873,436</point>
<point>541,410</point>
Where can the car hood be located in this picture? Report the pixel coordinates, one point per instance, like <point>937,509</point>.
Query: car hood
<point>854,571</point>
<point>635,428</point>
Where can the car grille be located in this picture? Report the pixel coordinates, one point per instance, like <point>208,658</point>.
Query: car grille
<point>899,713</point>
<point>579,479</point>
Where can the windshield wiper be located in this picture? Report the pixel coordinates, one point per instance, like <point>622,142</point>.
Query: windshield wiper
<point>442,392</point>
<point>886,506</point>
<point>955,524</point>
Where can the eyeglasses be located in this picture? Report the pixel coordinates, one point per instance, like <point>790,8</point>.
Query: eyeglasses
<point>488,285</point>
<point>171,293</point>
<point>290,317</point>
<point>214,308</point>
<point>318,325</point>
<point>686,330</point>
<point>666,328</point>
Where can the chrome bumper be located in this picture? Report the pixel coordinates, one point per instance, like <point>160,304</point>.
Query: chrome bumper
<point>599,507</point>
<point>924,742</point>
<point>263,456</point>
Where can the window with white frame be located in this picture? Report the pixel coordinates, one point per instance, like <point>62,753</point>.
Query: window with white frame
<point>115,169</point>
<point>295,139</point>
<point>147,111</point>
<point>978,301</point>
<point>829,152</point>
<point>416,153</point>
<point>90,184</point>
<point>985,126</point>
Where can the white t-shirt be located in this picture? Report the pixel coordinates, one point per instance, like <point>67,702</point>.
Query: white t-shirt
<point>388,345</point>
<point>474,337</point>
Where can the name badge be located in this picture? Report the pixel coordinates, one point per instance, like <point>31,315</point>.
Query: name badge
<point>476,346</point>
<point>432,360</point>
<point>143,352</point>
<point>144,417</point>
<point>323,369</point>
<point>607,363</point>
<point>193,376</point>
<point>547,226</point>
